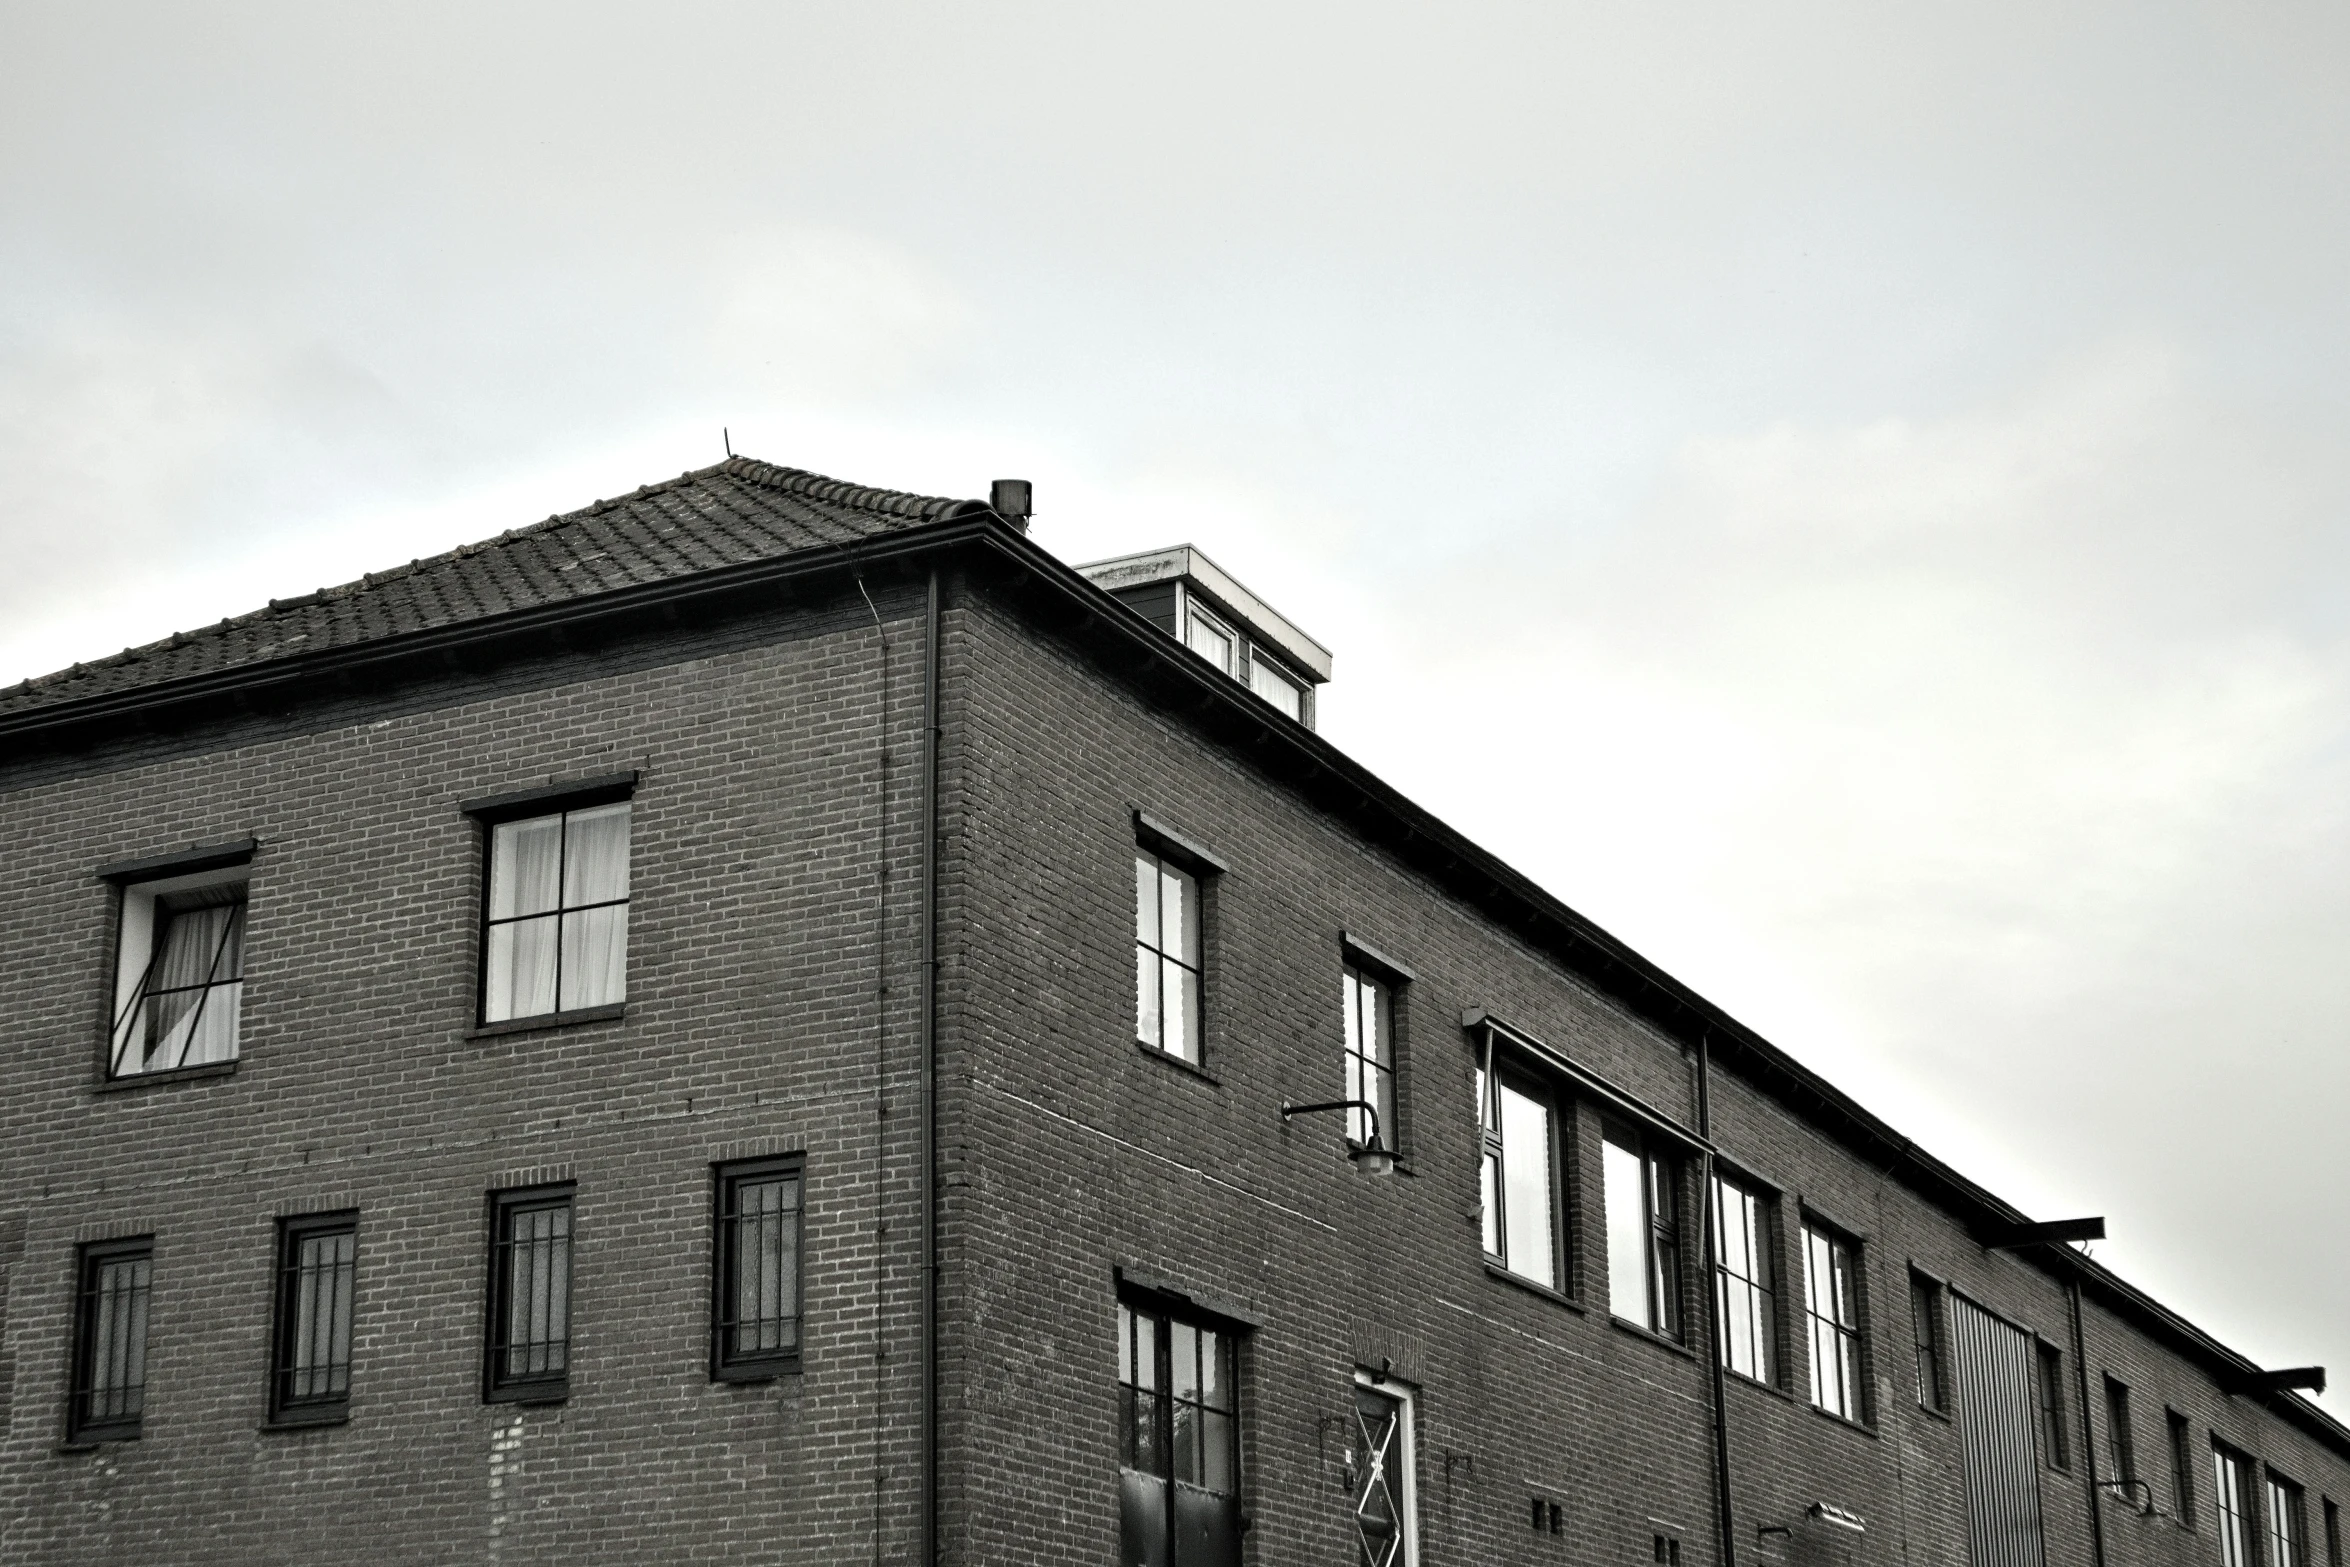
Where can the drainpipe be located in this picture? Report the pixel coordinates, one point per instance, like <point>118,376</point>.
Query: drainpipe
<point>929,1085</point>
<point>1713,1312</point>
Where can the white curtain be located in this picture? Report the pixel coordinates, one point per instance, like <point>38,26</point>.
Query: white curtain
<point>558,940</point>
<point>195,992</point>
<point>595,939</point>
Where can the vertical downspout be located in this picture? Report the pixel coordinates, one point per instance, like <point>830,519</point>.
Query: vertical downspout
<point>2088,1432</point>
<point>1713,1311</point>
<point>929,1086</point>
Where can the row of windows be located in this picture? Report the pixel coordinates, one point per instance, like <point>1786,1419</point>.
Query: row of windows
<point>2278,1516</point>
<point>553,939</point>
<point>526,1350</point>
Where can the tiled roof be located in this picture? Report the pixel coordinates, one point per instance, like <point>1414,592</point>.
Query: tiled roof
<point>739,511</point>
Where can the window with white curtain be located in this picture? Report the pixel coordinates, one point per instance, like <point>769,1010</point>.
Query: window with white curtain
<point>1519,1185</point>
<point>180,972</point>
<point>555,928</point>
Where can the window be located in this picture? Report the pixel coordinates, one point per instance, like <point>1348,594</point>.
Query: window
<point>1831,1300</point>
<point>1277,688</point>
<point>1381,1464</point>
<point>179,972</point>
<point>530,1296</point>
<point>1179,1440</point>
<point>1925,1326</point>
<point>2182,1467</point>
<point>1166,956</point>
<point>1743,1277</point>
<point>2333,1534</point>
<point>1369,1004</point>
<point>1211,640</point>
<point>110,1340</point>
<point>317,1269</point>
<point>2121,1443</point>
<point>2231,1492</point>
<point>2054,1448</point>
<point>555,922</point>
<point>1643,1234</point>
<point>1519,1185</point>
<point>2287,1530</point>
<point>755,1317</point>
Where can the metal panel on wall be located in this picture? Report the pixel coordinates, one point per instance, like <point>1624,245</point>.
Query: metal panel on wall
<point>1998,1419</point>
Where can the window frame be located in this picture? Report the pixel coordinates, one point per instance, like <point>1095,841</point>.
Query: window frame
<point>2121,1440</point>
<point>1165,1313</point>
<point>1660,1235</point>
<point>91,1260</point>
<point>2056,1450</point>
<point>1929,1335</point>
<point>1493,1161</point>
<point>2182,1458</point>
<point>500,1386</point>
<point>488,815</point>
<point>1407,1463</point>
<point>1845,1248</point>
<point>737,1365</point>
<point>285,1407</point>
<point>1165,865</point>
<point>1762,1244</point>
<point>139,923</point>
<point>1360,966</point>
<point>2240,1548</point>
<point>2332,1514</point>
<point>2284,1505</point>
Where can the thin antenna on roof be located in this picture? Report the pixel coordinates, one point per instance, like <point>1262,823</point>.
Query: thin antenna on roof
<point>728,438</point>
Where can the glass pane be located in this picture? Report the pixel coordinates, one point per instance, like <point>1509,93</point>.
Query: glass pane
<point>1125,1346</point>
<point>1182,1016</point>
<point>1210,642</point>
<point>1276,688</point>
<point>1149,1026</point>
<point>1146,900</point>
<point>1218,1472</point>
<point>1215,1370</point>
<point>1527,1218</point>
<point>520,972</point>
<point>595,855</point>
<point>1489,1200</point>
<point>525,859</point>
<point>1183,1360</point>
<point>1179,915</point>
<point>595,956</point>
<point>1627,1233</point>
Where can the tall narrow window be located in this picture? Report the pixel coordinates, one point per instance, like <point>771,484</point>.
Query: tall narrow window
<point>1925,1326</point>
<point>1643,1233</point>
<point>555,927</point>
<point>110,1340</point>
<point>2288,1533</point>
<point>1381,1464</point>
<point>1520,1187</point>
<point>530,1296</point>
<point>2182,1467</point>
<point>1166,956</point>
<point>2231,1496</point>
<point>2121,1442</point>
<point>1744,1278</point>
<point>317,1273</point>
<point>2333,1534</point>
<point>1369,1004</point>
<point>1179,1440</point>
<point>180,972</point>
<point>755,1328</point>
<point>1831,1301</point>
<point>2054,1447</point>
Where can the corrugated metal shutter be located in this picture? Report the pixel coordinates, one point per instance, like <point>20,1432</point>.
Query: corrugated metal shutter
<point>1998,1418</point>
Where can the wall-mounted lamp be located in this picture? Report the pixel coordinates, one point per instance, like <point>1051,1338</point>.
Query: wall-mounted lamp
<point>1839,1517</point>
<point>1374,1155</point>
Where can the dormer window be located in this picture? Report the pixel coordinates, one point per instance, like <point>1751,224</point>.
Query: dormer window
<point>1195,601</point>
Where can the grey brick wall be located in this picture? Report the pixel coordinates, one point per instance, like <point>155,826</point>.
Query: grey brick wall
<point>773,1006</point>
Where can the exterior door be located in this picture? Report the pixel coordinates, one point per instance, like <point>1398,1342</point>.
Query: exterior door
<point>1998,1429</point>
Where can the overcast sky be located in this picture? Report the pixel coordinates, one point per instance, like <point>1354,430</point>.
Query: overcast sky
<point>1853,497</point>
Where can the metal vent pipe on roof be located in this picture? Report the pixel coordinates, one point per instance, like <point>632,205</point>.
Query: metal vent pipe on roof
<point>1009,499</point>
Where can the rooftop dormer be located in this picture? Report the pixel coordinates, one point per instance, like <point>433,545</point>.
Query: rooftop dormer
<point>1197,602</point>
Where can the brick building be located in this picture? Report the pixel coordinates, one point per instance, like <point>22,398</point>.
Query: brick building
<point>772,1021</point>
